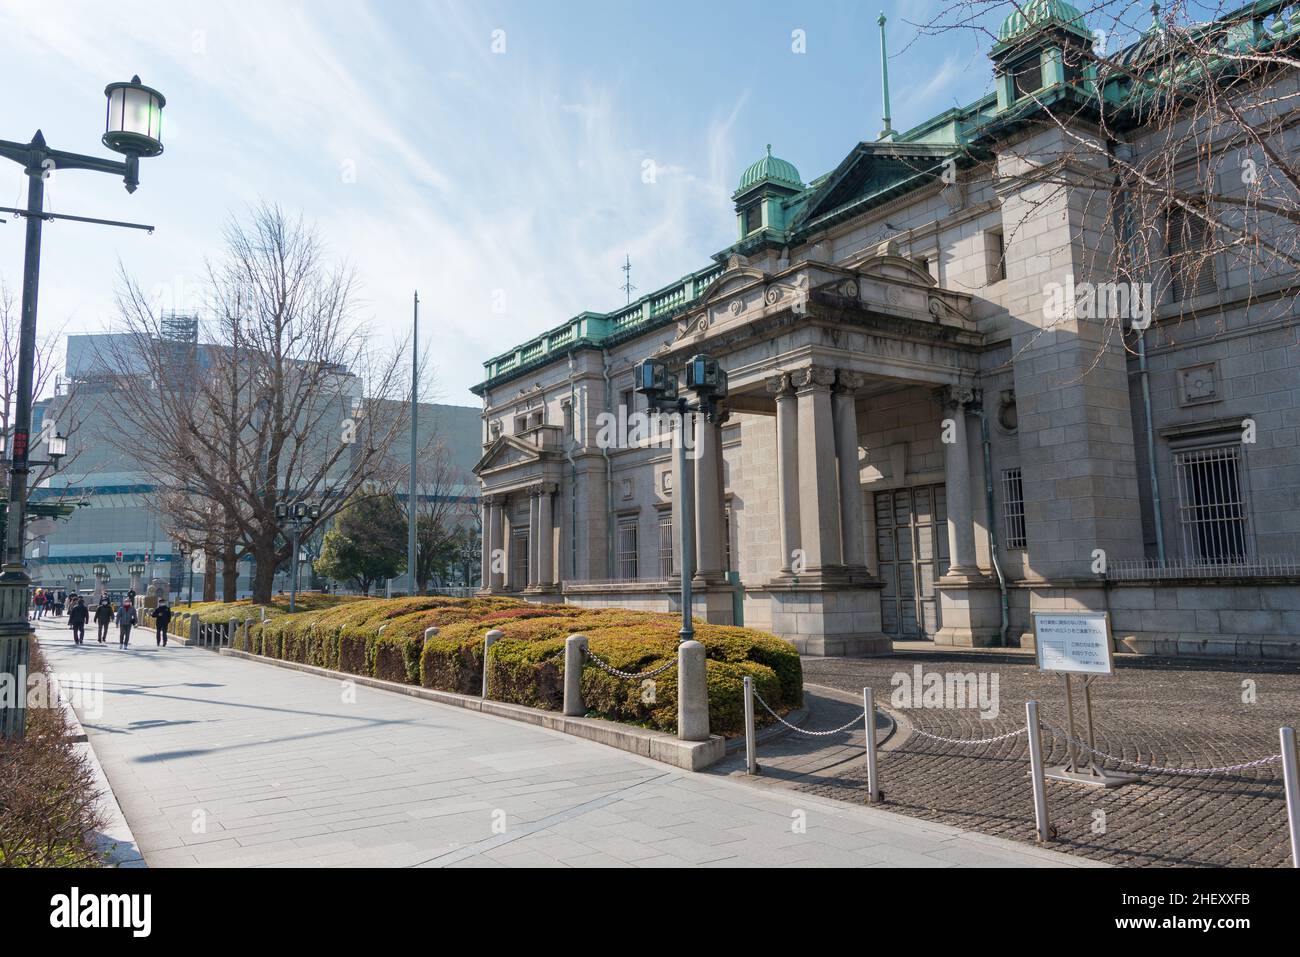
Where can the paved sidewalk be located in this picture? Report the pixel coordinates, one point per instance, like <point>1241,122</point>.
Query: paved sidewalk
<point>220,761</point>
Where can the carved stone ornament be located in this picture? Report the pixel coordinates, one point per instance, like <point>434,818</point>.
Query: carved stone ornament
<point>813,377</point>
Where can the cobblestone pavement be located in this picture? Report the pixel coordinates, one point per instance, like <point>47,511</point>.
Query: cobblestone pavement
<point>1161,712</point>
<point>221,761</point>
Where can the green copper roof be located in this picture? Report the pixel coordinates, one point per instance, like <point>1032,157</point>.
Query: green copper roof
<point>1039,13</point>
<point>772,170</point>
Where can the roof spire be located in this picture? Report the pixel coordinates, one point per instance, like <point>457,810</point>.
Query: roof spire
<point>888,131</point>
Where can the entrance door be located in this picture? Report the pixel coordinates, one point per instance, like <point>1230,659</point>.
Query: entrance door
<point>912,551</point>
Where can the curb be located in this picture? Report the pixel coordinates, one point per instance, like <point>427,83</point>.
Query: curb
<point>655,745</point>
<point>116,841</point>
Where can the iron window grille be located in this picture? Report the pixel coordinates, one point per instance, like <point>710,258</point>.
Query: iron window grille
<point>1013,508</point>
<point>1213,516</point>
<point>626,549</point>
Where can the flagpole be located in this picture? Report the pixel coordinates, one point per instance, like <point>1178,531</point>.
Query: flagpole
<point>412,501</point>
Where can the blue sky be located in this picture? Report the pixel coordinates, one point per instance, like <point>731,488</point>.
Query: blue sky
<point>430,161</point>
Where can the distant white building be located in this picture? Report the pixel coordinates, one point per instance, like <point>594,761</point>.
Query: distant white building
<point>108,468</point>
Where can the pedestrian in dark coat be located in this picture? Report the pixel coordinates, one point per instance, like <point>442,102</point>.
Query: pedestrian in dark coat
<point>103,617</point>
<point>78,615</point>
<point>161,616</point>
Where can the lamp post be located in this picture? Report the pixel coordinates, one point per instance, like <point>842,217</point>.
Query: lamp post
<point>709,383</point>
<point>101,578</point>
<point>297,516</point>
<point>132,127</point>
<point>76,583</point>
<point>135,570</point>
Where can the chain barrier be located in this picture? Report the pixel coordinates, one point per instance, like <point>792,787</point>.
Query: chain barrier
<point>609,669</point>
<point>960,741</point>
<point>814,734</point>
<point>1157,769</point>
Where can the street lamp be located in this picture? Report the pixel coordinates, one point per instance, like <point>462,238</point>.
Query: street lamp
<point>297,516</point>
<point>134,129</point>
<point>708,381</point>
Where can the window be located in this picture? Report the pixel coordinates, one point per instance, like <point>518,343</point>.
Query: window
<point>1026,77</point>
<point>1191,265</point>
<point>995,255</point>
<point>627,399</point>
<point>626,548</point>
<point>566,410</point>
<point>1212,510</point>
<point>753,217</point>
<point>666,544</point>
<point>1013,508</point>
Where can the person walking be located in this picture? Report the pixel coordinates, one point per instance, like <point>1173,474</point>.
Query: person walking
<point>103,615</point>
<point>125,619</point>
<point>38,603</point>
<point>162,615</point>
<point>78,615</point>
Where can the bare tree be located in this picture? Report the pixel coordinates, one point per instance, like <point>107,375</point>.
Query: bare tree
<point>1175,133</point>
<point>62,415</point>
<point>441,513</point>
<point>274,407</point>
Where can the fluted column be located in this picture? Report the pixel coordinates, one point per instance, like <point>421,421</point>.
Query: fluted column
<point>819,491</point>
<point>708,498</point>
<point>546,537</point>
<point>956,458</point>
<point>534,535</point>
<point>682,432</point>
<point>485,542</point>
<point>787,464</point>
<point>497,544</point>
<point>846,454</point>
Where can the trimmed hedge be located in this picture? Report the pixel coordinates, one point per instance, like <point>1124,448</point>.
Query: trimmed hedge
<point>527,665</point>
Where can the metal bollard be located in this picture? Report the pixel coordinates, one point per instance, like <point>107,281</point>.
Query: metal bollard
<point>490,639</point>
<point>1045,829</point>
<point>231,630</point>
<point>194,630</point>
<point>869,727</point>
<point>1291,782</point>
<point>575,647</point>
<point>751,743</point>
<point>692,693</point>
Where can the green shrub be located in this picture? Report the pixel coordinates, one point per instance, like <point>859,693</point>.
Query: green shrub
<point>527,665</point>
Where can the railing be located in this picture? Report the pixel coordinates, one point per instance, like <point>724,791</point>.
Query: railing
<point>1174,569</point>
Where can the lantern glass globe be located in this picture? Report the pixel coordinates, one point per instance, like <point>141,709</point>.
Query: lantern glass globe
<point>133,124</point>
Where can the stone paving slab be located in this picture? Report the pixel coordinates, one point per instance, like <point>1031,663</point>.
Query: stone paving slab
<point>221,761</point>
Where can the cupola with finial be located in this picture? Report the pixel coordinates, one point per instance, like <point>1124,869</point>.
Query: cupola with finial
<point>763,187</point>
<point>1041,45</point>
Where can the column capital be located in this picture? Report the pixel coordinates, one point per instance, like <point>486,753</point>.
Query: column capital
<point>548,488</point>
<point>846,380</point>
<point>779,384</point>
<point>953,397</point>
<point>812,378</point>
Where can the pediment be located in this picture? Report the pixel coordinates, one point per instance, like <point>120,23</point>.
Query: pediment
<point>884,263</point>
<point>873,169</point>
<point>505,452</point>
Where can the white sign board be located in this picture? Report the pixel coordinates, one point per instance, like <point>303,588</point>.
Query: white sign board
<point>1073,642</point>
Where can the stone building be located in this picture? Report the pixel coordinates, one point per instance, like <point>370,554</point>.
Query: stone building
<point>914,446</point>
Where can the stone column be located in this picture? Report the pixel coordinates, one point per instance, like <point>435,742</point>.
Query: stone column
<point>546,538</point>
<point>787,464</point>
<point>496,544</point>
<point>956,459</point>
<point>819,492</point>
<point>846,454</point>
<point>485,542</point>
<point>708,499</point>
<point>534,535</point>
<point>682,432</point>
